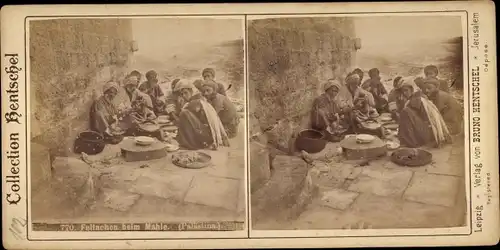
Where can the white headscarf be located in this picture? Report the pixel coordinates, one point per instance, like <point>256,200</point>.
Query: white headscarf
<point>110,85</point>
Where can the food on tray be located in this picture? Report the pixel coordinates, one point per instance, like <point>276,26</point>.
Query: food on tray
<point>191,159</point>
<point>186,158</point>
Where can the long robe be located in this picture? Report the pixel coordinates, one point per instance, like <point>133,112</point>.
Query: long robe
<point>323,112</point>
<point>195,126</point>
<point>450,109</point>
<point>156,94</point>
<point>443,85</point>
<point>102,115</point>
<point>139,94</point>
<point>221,89</point>
<point>377,89</point>
<point>421,123</point>
<point>227,113</point>
<point>174,99</point>
<point>414,125</point>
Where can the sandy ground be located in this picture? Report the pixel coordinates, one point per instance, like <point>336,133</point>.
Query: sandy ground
<point>383,194</point>
<point>159,192</point>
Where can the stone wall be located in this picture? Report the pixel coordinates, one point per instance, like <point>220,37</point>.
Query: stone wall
<point>70,60</point>
<point>289,60</point>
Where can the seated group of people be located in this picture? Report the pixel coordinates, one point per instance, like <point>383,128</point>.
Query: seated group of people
<point>203,114</point>
<point>427,114</point>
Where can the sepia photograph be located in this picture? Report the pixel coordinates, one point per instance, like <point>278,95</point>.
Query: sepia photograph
<point>356,122</point>
<point>291,125</point>
<point>137,120</point>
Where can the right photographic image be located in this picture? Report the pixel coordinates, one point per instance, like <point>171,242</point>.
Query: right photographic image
<point>357,122</point>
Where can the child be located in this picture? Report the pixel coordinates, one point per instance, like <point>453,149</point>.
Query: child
<point>140,112</point>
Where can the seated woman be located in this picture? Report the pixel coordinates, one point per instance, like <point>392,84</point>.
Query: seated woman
<point>104,115</point>
<point>223,106</point>
<point>198,125</point>
<point>420,123</point>
<point>325,114</point>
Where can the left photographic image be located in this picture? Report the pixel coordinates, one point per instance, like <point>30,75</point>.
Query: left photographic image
<point>136,123</point>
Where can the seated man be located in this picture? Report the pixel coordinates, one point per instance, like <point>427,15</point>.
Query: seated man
<point>325,115</point>
<point>431,71</point>
<point>174,102</point>
<point>209,74</point>
<point>377,89</point>
<point>141,113</point>
<point>152,88</point>
<point>353,83</point>
<point>395,98</point>
<point>448,107</point>
<point>223,106</point>
<point>199,126</point>
<point>136,74</point>
<point>104,115</point>
<point>360,73</point>
<point>133,93</point>
<point>420,123</point>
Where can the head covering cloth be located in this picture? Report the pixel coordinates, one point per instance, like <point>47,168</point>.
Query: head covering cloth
<point>332,83</point>
<point>128,82</point>
<point>398,81</point>
<point>211,84</point>
<point>208,70</point>
<point>110,85</point>
<point>181,84</point>
<point>352,78</point>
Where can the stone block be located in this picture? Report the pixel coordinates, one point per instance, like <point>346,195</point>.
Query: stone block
<point>279,197</point>
<point>80,182</point>
<point>119,200</point>
<point>153,207</point>
<point>40,167</point>
<point>331,175</point>
<point>445,168</point>
<point>390,213</point>
<point>260,167</point>
<point>72,170</point>
<point>214,192</point>
<point>338,198</point>
<point>173,186</point>
<point>381,181</point>
<point>317,217</point>
<point>433,189</point>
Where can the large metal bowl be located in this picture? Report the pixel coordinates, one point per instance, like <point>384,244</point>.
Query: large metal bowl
<point>311,141</point>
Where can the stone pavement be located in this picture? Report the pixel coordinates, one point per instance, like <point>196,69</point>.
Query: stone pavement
<point>159,190</point>
<point>383,194</point>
